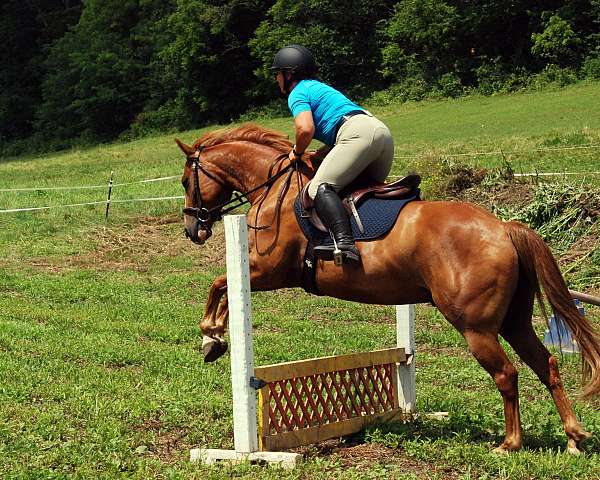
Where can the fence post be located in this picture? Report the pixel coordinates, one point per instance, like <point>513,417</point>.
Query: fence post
<point>405,338</point>
<point>245,433</point>
<point>110,185</point>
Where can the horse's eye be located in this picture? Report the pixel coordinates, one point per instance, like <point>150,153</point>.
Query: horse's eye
<point>186,183</point>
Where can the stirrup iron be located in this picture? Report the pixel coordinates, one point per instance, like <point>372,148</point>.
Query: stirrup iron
<point>338,256</point>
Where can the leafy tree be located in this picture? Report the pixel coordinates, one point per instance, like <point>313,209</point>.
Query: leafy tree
<point>419,39</point>
<point>595,13</point>
<point>18,81</point>
<point>25,28</point>
<point>208,61</point>
<point>97,77</point>
<point>100,67</point>
<point>556,42</point>
<point>343,38</point>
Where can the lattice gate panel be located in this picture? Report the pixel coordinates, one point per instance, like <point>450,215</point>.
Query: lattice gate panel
<point>312,400</point>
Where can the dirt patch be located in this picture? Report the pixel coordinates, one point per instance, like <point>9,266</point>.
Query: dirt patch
<point>134,248</point>
<point>579,250</point>
<point>167,444</point>
<point>364,456</point>
<point>137,247</point>
<point>464,177</point>
<point>512,194</point>
<point>45,264</point>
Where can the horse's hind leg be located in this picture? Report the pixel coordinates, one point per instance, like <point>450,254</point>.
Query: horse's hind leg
<point>489,353</point>
<point>475,302</point>
<point>520,334</point>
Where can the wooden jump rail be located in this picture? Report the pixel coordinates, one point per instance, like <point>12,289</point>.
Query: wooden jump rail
<point>310,400</point>
<point>584,297</point>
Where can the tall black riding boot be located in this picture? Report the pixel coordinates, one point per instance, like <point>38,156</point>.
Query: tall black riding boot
<point>333,215</point>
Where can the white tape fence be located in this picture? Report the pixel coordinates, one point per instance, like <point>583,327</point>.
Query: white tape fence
<point>88,187</point>
<point>99,202</point>
<point>106,202</point>
<point>178,197</point>
<point>502,152</point>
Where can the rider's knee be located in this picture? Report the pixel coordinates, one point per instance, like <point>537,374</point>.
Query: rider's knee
<point>319,187</point>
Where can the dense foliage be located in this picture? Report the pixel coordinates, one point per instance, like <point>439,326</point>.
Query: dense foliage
<point>97,69</point>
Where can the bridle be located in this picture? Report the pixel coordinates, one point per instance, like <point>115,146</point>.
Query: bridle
<point>205,217</point>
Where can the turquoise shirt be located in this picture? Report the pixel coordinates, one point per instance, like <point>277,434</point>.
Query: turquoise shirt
<point>327,105</point>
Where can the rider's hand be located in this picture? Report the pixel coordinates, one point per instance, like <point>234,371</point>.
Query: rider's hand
<point>294,156</point>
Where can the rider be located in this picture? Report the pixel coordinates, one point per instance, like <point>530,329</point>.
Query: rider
<point>356,141</point>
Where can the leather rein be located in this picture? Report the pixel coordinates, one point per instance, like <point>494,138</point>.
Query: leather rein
<point>205,217</point>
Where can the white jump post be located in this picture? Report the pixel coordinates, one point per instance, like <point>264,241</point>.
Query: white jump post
<point>245,434</point>
<point>405,338</point>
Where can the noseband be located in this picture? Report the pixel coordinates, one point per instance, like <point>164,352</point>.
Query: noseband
<point>205,217</point>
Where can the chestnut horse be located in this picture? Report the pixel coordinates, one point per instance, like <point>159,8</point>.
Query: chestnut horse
<point>480,272</point>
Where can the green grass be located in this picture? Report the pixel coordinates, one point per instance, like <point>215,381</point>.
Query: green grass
<point>100,374</point>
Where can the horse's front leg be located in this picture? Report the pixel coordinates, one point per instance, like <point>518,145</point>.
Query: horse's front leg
<point>213,324</point>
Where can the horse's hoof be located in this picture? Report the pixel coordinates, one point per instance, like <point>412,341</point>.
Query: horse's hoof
<point>573,450</point>
<point>500,450</point>
<point>574,446</point>
<point>507,447</point>
<point>213,349</point>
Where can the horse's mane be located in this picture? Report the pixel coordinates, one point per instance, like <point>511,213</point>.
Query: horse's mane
<point>248,132</point>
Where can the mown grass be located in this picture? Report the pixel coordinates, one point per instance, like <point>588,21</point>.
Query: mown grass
<point>100,374</point>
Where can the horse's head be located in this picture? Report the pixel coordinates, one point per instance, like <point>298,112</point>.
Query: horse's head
<point>204,192</point>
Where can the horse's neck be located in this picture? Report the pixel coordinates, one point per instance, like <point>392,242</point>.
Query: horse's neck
<point>235,169</point>
<point>244,169</point>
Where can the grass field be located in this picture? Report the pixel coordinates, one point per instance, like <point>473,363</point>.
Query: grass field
<point>100,374</point>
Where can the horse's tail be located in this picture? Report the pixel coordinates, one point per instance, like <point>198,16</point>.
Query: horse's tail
<point>541,268</point>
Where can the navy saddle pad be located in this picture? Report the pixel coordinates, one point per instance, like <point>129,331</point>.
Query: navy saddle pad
<point>377,216</point>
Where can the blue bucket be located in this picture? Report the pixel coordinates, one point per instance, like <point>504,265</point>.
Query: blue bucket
<point>559,335</point>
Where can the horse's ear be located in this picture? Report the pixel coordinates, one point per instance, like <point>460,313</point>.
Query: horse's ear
<point>185,148</point>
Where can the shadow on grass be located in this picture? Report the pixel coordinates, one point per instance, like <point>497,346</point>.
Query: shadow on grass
<point>474,429</point>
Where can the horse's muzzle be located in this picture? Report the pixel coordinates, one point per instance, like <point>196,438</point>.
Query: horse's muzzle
<point>198,234</point>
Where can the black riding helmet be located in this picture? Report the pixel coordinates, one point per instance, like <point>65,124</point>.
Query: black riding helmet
<point>297,59</point>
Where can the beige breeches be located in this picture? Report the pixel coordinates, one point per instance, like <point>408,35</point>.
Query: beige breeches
<point>363,144</point>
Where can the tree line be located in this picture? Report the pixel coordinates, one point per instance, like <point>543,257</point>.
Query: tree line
<point>97,69</point>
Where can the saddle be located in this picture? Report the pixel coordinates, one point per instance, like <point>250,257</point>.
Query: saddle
<point>359,191</point>
<point>373,208</point>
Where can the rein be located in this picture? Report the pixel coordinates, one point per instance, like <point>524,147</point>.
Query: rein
<point>206,216</point>
<point>284,188</point>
